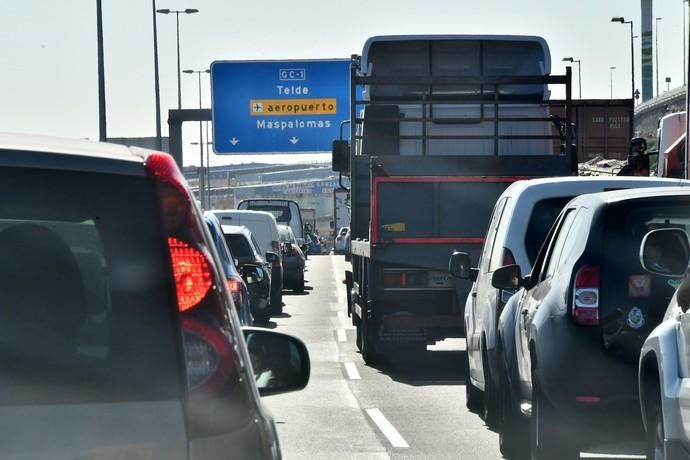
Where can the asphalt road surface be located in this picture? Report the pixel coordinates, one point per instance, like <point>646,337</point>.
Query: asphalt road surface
<point>411,408</point>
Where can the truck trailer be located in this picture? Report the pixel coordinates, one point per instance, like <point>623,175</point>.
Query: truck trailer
<point>439,127</point>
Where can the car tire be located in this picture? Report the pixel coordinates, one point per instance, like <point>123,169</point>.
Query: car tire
<point>263,317</point>
<point>276,303</point>
<point>545,441</point>
<point>513,427</point>
<point>655,428</point>
<point>474,397</point>
<point>490,410</point>
<point>299,285</point>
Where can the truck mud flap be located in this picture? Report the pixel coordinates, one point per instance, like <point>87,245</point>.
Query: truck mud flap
<point>348,290</point>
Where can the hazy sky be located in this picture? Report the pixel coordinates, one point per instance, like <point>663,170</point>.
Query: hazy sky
<point>48,82</point>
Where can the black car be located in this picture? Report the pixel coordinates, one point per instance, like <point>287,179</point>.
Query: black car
<point>254,268</point>
<point>117,329</point>
<point>570,339</point>
<point>236,284</point>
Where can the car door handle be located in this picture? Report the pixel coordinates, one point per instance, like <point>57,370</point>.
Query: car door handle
<point>474,294</point>
<point>524,312</point>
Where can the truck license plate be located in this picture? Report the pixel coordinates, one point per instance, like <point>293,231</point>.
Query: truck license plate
<point>439,280</point>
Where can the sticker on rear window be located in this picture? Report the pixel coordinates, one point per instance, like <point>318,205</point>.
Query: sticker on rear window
<point>639,286</point>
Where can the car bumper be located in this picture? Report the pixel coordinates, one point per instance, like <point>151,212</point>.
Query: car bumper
<point>589,387</point>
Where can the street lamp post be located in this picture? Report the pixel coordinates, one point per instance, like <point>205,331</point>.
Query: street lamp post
<point>668,84</point>
<point>632,49</point>
<point>202,181</point>
<point>611,69</point>
<point>579,72</point>
<point>208,145</point>
<point>656,52</point>
<point>177,18</point>
<point>156,80</point>
<point>102,132</point>
<point>685,37</point>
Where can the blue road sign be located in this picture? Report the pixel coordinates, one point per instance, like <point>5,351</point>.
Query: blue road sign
<point>278,106</point>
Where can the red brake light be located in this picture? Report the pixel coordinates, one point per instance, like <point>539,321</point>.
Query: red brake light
<point>586,296</point>
<point>508,258</point>
<point>172,190</point>
<point>192,273</point>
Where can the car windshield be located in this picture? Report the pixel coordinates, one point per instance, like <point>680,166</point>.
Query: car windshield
<point>85,301</point>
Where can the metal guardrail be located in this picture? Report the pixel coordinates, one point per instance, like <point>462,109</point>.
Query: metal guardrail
<point>664,98</point>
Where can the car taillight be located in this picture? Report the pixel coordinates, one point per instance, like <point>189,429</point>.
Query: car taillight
<point>208,355</point>
<point>293,250</point>
<point>276,248</point>
<point>586,296</point>
<point>339,238</point>
<point>192,273</point>
<point>508,258</point>
<point>235,288</point>
<point>210,359</point>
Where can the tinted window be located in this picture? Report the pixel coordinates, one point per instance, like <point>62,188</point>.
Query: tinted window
<point>281,213</point>
<point>559,242</point>
<point>543,216</point>
<point>493,263</point>
<point>86,308</point>
<point>625,224</point>
<point>239,246</point>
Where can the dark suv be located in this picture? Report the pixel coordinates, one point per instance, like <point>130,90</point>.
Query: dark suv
<point>570,339</point>
<point>118,335</point>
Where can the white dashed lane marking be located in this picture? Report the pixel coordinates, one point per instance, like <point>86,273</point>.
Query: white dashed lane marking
<point>351,371</point>
<point>386,428</point>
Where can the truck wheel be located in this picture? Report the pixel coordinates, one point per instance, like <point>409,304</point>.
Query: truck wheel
<point>512,432</point>
<point>545,441</point>
<point>368,341</point>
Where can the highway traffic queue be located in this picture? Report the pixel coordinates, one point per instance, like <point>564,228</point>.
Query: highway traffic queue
<point>563,287</point>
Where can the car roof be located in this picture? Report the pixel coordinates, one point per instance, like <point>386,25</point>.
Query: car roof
<point>246,212</point>
<point>617,196</point>
<point>236,230</point>
<point>571,183</point>
<point>65,146</point>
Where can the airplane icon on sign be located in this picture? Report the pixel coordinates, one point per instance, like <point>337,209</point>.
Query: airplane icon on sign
<point>258,107</point>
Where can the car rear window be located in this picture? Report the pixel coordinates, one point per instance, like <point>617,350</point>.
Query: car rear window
<point>86,306</point>
<point>281,213</point>
<point>239,245</point>
<point>541,220</point>
<point>623,278</point>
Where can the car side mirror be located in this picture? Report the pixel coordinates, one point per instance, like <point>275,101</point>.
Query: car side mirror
<point>459,266</point>
<point>271,257</point>
<point>665,251</point>
<point>280,361</point>
<point>508,277</point>
<point>340,156</point>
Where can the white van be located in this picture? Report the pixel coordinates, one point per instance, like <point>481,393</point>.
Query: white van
<point>265,229</point>
<point>286,212</point>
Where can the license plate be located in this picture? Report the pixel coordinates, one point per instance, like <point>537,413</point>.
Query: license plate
<point>439,280</point>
